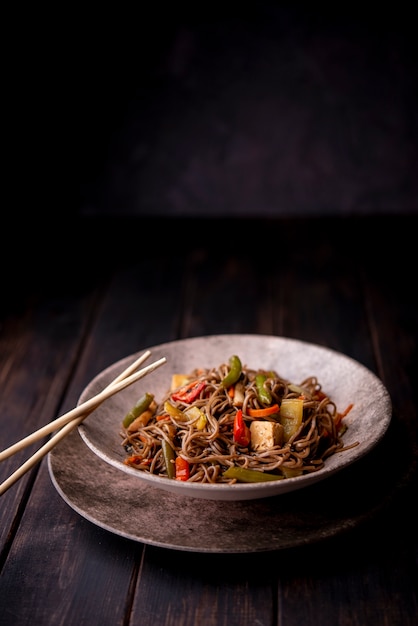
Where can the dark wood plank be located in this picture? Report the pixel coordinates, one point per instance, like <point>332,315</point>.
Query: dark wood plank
<point>189,589</point>
<point>302,282</point>
<point>39,350</point>
<point>357,313</point>
<point>68,570</point>
<point>235,289</point>
<point>137,309</point>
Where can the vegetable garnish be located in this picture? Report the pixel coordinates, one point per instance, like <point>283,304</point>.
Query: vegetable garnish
<point>244,475</point>
<point>263,393</point>
<point>242,434</point>
<point>196,414</point>
<point>269,410</point>
<point>189,392</point>
<point>169,458</point>
<point>231,423</point>
<point>291,414</point>
<point>182,469</point>
<point>141,406</point>
<point>172,410</point>
<point>235,369</point>
<point>340,416</point>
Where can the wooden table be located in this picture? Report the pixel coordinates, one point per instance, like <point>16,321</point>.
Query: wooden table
<point>108,289</point>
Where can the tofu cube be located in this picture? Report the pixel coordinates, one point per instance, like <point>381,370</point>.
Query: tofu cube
<point>265,435</point>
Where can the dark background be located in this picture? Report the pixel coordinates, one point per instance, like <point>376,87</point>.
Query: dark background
<point>221,110</point>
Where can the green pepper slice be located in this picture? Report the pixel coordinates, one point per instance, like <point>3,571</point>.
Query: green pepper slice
<point>235,369</point>
<point>263,393</point>
<point>244,475</point>
<point>141,406</point>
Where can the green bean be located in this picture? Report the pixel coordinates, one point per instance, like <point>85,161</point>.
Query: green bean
<point>235,369</point>
<point>263,393</point>
<point>141,406</point>
<point>244,475</point>
<point>169,458</point>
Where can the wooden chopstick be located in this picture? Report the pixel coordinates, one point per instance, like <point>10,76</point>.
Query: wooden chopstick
<point>61,421</point>
<point>73,418</point>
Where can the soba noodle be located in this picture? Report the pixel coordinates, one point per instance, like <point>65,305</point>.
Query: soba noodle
<point>211,448</point>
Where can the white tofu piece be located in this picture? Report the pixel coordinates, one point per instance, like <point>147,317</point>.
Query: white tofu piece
<point>265,435</point>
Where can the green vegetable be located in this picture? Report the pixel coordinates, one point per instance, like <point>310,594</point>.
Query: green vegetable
<point>141,406</point>
<point>291,416</point>
<point>174,411</point>
<point>249,476</point>
<point>169,458</point>
<point>234,372</point>
<point>263,393</point>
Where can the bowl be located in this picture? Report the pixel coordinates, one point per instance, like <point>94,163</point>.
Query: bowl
<point>344,380</point>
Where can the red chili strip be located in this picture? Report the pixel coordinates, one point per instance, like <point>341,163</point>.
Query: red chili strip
<point>189,392</point>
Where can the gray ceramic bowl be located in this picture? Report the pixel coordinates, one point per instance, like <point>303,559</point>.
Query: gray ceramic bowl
<point>345,380</point>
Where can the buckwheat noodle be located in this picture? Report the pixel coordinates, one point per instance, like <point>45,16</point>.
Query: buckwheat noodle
<point>212,450</point>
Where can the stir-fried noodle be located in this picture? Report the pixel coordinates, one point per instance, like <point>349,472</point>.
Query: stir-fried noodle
<point>203,430</point>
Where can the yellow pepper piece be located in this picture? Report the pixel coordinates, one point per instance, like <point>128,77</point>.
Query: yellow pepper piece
<point>174,411</point>
<point>195,413</point>
<point>178,380</point>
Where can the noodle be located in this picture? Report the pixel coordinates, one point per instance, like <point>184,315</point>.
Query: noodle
<point>210,447</point>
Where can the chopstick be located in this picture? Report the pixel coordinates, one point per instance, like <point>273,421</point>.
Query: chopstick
<point>61,421</point>
<point>73,418</point>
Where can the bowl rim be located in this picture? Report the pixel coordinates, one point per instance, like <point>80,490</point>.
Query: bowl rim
<point>245,491</point>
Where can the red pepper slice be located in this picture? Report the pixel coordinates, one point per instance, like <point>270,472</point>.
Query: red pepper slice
<point>189,392</point>
<point>242,434</point>
<point>182,469</point>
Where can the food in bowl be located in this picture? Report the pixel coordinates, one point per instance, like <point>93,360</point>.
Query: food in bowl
<point>233,424</point>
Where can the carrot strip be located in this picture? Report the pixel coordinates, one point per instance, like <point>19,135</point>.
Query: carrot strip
<point>270,410</point>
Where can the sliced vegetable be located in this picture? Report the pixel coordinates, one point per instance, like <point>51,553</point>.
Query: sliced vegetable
<point>339,417</point>
<point>182,469</point>
<point>291,414</point>
<point>297,389</point>
<point>136,460</point>
<point>141,406</point>
<point>242,434</point>
<point>291,472</point>
<point>143,418</point>
<point>189,392</point>
<point>179,380</point>
<point>239,390</point>
<point>235,369</point>
<point>244,475</point>
<point>195,413</point>
<point>269,410</point>
<point>169,458</point>
<point>174,411</point>
<point>263,393</point>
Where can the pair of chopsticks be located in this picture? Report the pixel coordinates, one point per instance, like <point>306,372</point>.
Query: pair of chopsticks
<point>67,422</point>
